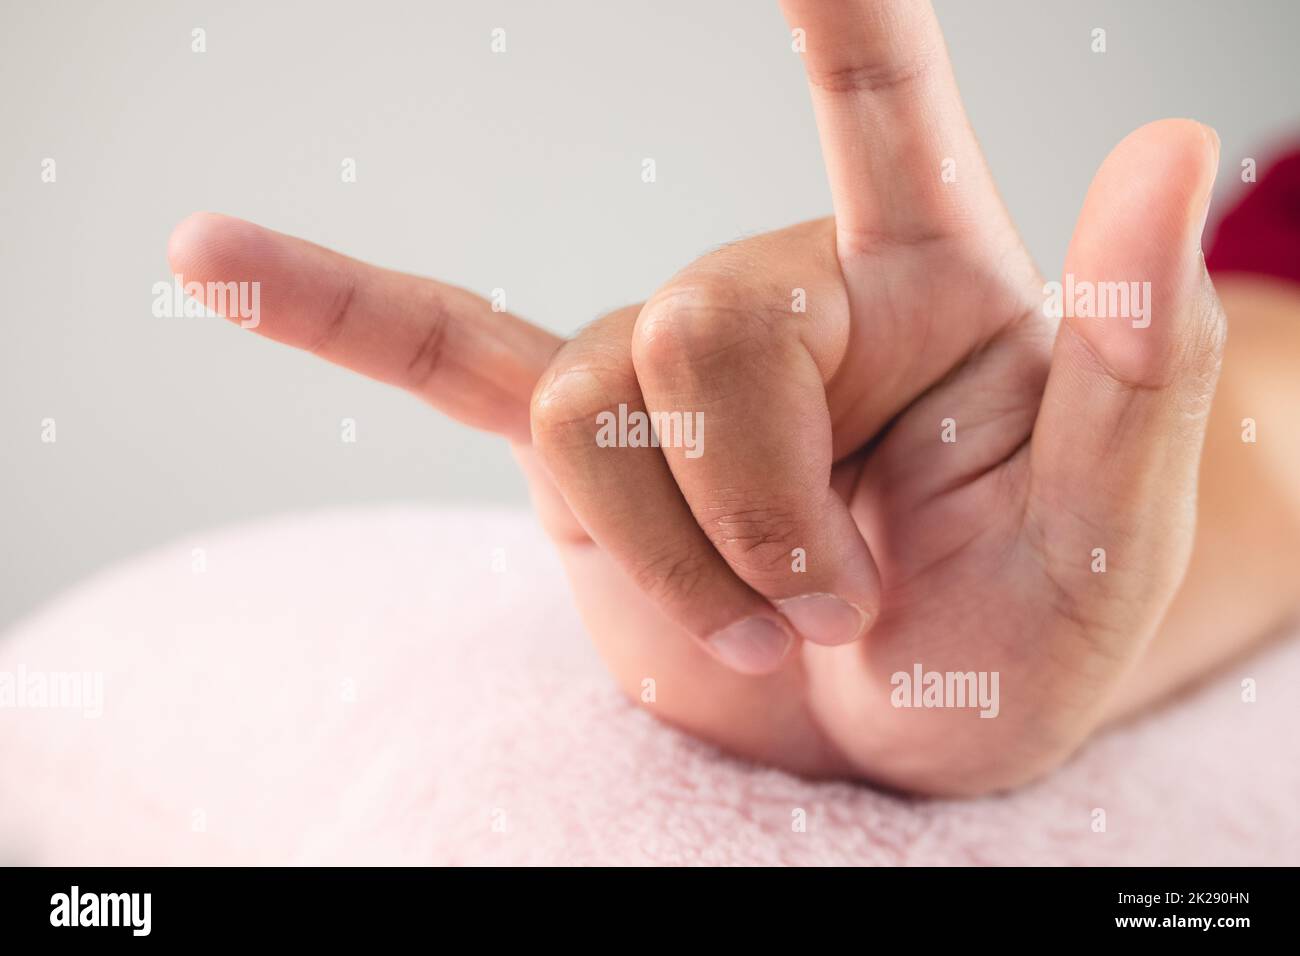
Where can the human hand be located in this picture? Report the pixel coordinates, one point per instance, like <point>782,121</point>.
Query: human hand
<point>824,468</point>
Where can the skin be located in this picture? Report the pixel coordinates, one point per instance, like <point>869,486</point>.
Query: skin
<point>824,434</point>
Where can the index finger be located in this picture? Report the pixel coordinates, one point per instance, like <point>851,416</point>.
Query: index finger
<point>890,120</point>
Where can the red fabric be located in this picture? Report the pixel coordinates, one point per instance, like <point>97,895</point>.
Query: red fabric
<point>1261,233</point>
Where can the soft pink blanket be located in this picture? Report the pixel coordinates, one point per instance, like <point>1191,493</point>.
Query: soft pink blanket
<point>413,686</point>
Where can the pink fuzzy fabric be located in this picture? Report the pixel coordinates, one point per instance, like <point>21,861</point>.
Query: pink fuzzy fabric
<point>366,687</point>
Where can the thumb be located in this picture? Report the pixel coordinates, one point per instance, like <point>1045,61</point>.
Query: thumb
<point>1117,444</point>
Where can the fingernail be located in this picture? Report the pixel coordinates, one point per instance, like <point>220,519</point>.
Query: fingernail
<point>754,645</point>
<point>1212,140</point>
<point>1212,137</point>
<point>824,618</point>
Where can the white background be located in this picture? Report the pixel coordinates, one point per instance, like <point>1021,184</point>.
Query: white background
<point>519,171</point>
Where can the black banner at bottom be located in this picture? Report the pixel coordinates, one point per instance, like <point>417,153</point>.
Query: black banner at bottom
<point>372,905</point>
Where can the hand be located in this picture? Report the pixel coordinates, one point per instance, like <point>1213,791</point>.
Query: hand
<point>916,471</point>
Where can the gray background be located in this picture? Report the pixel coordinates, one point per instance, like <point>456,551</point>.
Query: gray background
<point>519,171</point>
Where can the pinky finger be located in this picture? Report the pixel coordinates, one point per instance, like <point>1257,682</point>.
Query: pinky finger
<point>443,344</point>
